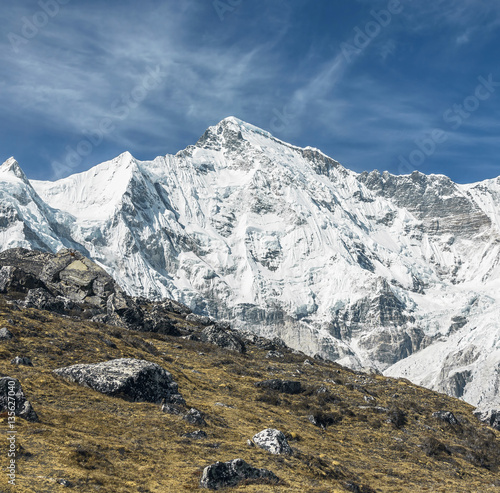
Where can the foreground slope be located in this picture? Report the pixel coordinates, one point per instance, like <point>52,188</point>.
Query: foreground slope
<point>364,269</point>
<point>379,434</point>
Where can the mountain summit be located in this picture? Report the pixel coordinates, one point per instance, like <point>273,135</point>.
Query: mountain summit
<point>400,273</point>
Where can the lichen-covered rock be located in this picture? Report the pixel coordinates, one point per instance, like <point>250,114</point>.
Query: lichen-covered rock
<point>172,409</point>
<point>223,474</point>
<point>283,386</point>
<point>273,441</point>
<point>195,417</point>
<point>21,360</point>
<point>6,334</point>
<point>12,399</point>
<point>195,435</point>
<point>131,379</point>
<point>446,416</point>
<point>14,279</point>
<point>222,338</point>
<point>275,354</point>
<point>41,299</point>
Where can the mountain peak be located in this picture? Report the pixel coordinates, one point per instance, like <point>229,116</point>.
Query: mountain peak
<point>11,166</point>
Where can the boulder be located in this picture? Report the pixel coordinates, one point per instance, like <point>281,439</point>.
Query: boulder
<point>41,299</point>
<point>283,386</point>
<point>156,320</point>
<point>22,360</point>
<point>223,474</point>
<point>273,441</point>
<point>222,338</point>
<point>175,307</point>
<point>131,379</point>
<point>195,417</point>
<point>6,334</point>
<point>14,279</point>
<point>12,399</point>
<point>172,409</point>
<point>275,354</point>
<point>263,343</point>
<point>196,435</point>
<point>446,416</point>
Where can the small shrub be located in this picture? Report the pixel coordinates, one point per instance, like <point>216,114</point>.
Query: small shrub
<point>270,398</point>
<point>397,417</point>
<point>433,447</point>
<point>324,420</point>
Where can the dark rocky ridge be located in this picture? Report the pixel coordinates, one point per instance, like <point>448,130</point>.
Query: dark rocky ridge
<point>70,284</point>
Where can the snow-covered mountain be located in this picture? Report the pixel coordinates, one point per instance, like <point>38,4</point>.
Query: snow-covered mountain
<point>396,272</point>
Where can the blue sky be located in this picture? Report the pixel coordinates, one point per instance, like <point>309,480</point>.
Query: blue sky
<point>392,85</point>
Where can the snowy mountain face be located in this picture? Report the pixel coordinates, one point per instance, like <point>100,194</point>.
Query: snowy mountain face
<point>400,273</point>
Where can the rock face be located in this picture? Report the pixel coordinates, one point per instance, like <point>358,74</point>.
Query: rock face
<point>224,474</point>
<point>131,379</point>
<point>222,338</point>
<point>273,441</point>
<point>284,386</point>
<point>12,399</point>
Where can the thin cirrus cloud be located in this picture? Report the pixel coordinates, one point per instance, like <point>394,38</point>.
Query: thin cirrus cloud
<point>278,65</point>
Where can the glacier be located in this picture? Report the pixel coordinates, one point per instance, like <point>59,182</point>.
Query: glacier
<point>397,273</point>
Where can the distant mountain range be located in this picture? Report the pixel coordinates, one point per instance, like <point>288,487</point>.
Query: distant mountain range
<point>400,273</point>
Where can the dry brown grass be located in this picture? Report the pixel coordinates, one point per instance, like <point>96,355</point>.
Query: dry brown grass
<point>106,444</point>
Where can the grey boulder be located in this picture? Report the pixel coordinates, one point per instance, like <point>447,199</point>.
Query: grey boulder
<point>446,417</point>
<point>6,334</point>
<point>21,360</point>
<point>223,474</point>
<point>194,417</point>
<point>273,441</point>
<point>130,379</point>
<point>222,338</point>
<point>13,400</point>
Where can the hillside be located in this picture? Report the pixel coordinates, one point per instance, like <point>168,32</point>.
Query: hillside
<point>379,435</point>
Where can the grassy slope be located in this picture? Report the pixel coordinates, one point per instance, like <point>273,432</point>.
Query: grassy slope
<point>106,444</point>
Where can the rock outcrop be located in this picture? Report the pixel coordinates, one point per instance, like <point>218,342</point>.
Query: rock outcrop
<point>490,417</point>
<point>69,283</point>
<point>224,474</point>
<point>131,379</point>
<point>13,400</point>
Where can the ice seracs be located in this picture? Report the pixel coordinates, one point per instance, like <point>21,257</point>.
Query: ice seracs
<point>400,273</point>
